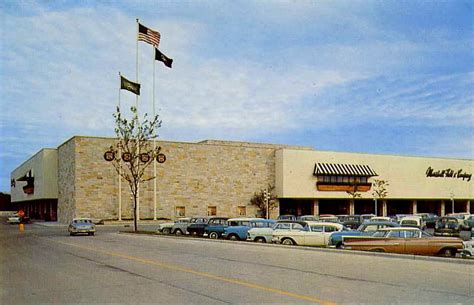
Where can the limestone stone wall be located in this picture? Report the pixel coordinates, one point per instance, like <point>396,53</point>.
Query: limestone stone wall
<point>195,175</point>
<point>66,181</point>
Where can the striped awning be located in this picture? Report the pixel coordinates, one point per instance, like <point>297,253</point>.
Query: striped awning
<point>333,169</point>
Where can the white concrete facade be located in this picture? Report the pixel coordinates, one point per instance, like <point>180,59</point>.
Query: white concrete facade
<point>407,176</point>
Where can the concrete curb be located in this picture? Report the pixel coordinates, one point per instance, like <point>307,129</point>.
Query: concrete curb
<point>306,248</point>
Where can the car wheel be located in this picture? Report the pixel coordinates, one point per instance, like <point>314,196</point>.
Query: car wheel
<point>448,252</point>
<point>377,250</point>
<point>233,237</point>
<point>260,240</point>
<point>213,235</point>
<point>70,233</point>
<point>178,232</point>
<point>339,245</point>
<point>166,231</point>
<point>93,233</point>
<point>288,241</point>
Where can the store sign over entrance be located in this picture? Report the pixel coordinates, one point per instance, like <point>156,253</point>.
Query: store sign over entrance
<point>448,173</point>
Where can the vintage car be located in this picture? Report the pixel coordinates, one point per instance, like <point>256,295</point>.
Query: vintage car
<point>468,249</point>
<point>429,219</point>
<point>413,222</point>
<point>238,227</point>
<point>452,226</point>
<point>307,218</point>
<point>81,226</point>
<point>14,220</point>
<point>365,217</point>
<point>286,217</point>
<point>180,226</point>
<point>351,221</point>
<point>405,240</point>
<point>328,218</point>
<point>215,227</point>
<point>460,215</point>
<point>165,227</point>
<point>379,218</point>
<point>470,222</point>
<point>197,224</point>
<point>313,233</point>
<point>264,232</point>
<point>366,229</point>
<point>399,217</point>
<point>341,217</point>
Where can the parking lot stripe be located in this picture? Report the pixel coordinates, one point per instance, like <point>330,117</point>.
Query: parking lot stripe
<point>202,274</point>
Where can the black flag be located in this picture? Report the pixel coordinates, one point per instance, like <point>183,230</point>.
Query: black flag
<point>163,58</point>
<point>130,86</point>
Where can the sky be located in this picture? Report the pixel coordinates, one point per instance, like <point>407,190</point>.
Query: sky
<point>382,77</point>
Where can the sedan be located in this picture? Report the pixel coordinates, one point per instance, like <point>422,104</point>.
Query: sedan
<point>311,234</point>
<point>405,241</point>
<point>14,220</point>
<point>81,226</point>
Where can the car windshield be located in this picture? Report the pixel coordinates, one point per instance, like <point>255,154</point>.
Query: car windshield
<point>317,228</point>
<point>82,221</point>
<point>260,224</point>
<point>409,222</point>
<point>368,228</point>
<point>282,226</point>
<point>352,218</point>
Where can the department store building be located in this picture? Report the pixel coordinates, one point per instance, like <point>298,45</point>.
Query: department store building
<point>220,177</point>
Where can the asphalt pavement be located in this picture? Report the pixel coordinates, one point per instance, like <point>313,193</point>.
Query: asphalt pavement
<point>43,264</point>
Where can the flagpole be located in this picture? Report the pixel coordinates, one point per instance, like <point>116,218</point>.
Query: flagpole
<point>154,144</point>
<point>138,144</point>
<point>120,167</point>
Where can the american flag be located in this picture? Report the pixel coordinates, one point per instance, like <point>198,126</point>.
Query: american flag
<point>147,35</point>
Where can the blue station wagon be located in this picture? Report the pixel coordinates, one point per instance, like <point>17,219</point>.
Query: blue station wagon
<point>238,227</point>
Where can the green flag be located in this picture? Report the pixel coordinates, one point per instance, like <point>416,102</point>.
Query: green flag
<point>130,86</point>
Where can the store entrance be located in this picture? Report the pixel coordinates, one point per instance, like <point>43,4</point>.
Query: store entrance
<point>334,206</point>
<point>395,207</point>
<point>296,207</point>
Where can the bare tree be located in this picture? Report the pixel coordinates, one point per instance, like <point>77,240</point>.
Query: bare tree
<point>133,151</point>
<point>379,190</point>
<point>258,200</point>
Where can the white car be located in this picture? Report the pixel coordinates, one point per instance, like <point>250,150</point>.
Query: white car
<point>468,249</point>
<point>81,226</point>
<point>312,234</point>
<point>14,220</point>
<point>165,227</point>
<point>265,234</point>
<point>380,218</point>
<point>412,221</point>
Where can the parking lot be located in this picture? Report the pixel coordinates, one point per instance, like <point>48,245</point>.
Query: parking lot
<point>43,264</point>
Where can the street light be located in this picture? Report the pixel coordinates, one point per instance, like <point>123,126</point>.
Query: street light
<point>266,196</point>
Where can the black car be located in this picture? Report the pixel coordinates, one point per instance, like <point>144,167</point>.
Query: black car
<point>199,224</point>
<point>452,226</point>
<point>352,221</point>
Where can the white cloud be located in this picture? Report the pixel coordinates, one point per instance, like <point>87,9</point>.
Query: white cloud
<point>61,72</point>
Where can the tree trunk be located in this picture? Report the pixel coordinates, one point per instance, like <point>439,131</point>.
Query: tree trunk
<point>135,224</point>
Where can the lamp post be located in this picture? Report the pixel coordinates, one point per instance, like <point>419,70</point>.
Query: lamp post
<point>266,196</point>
